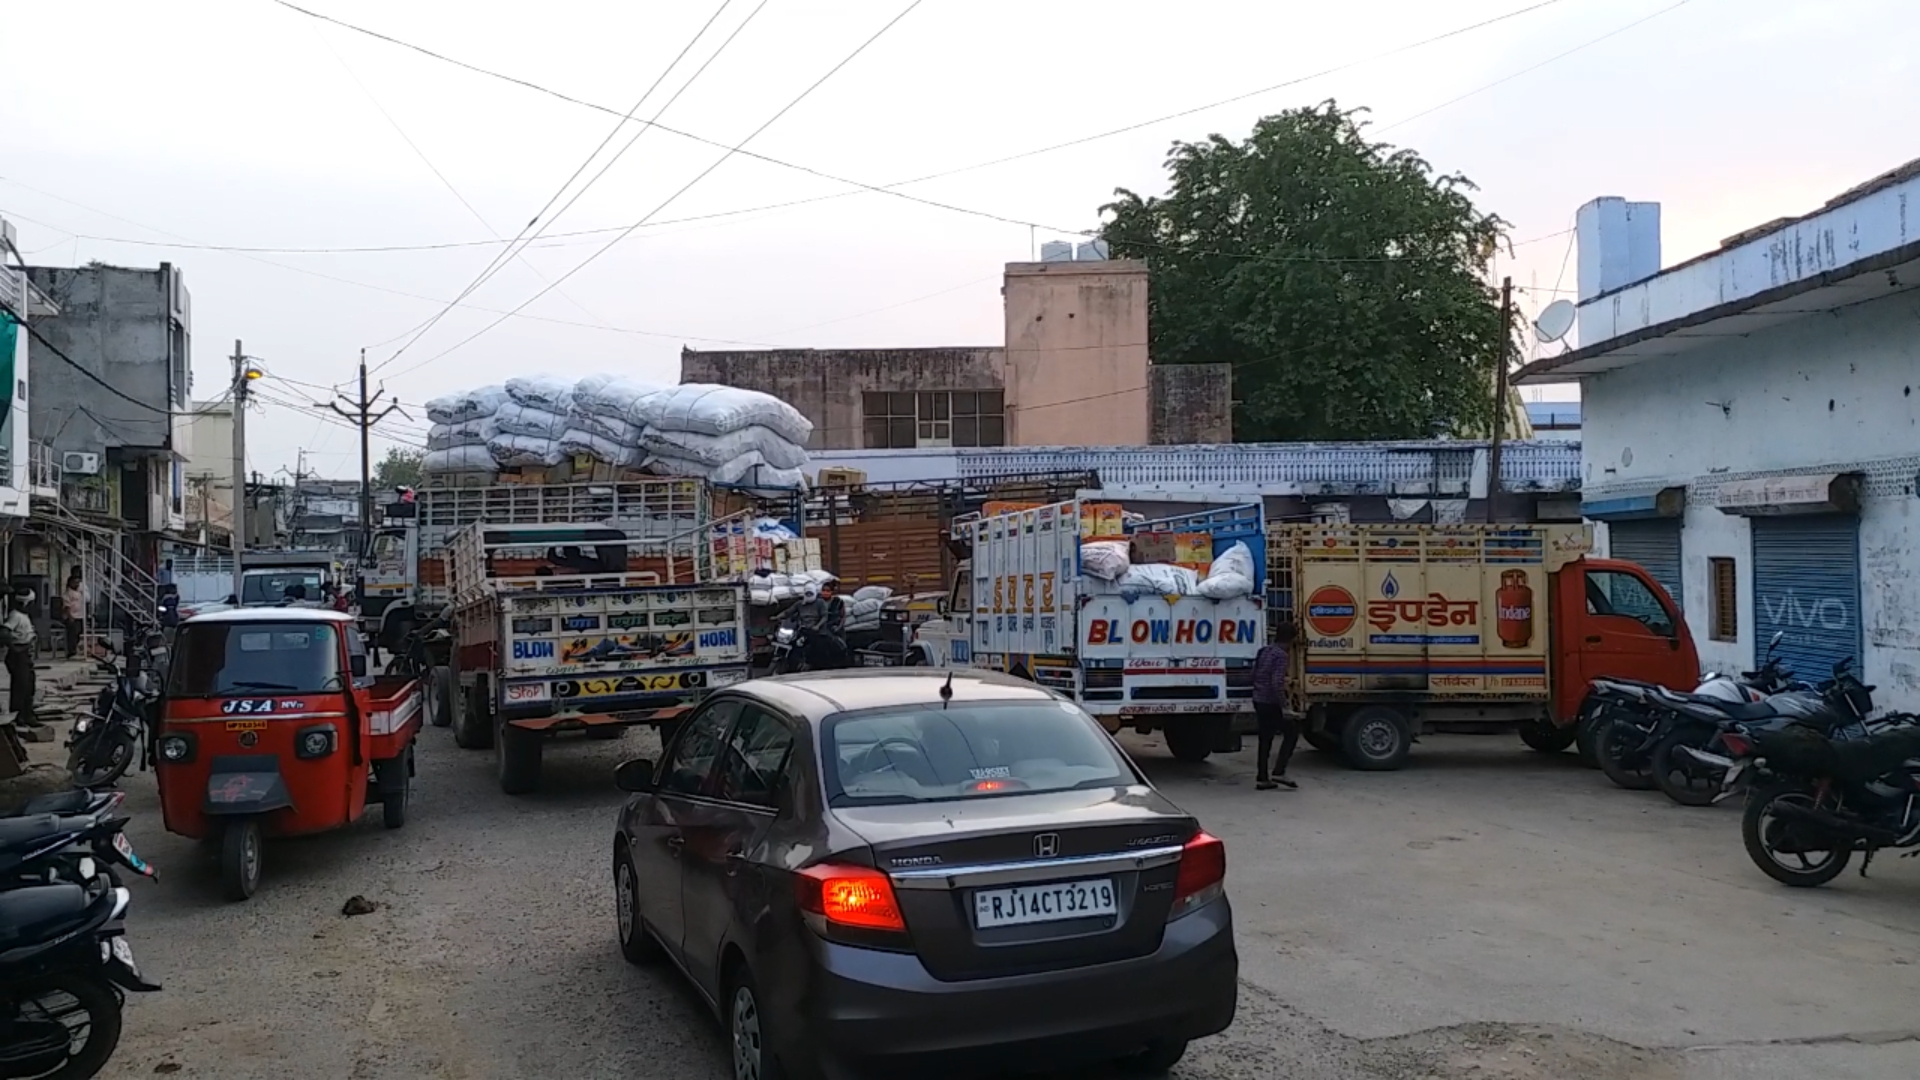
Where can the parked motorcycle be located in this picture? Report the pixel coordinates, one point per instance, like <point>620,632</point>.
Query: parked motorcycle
<point>71,836</point>
<point>104,744</point>
<point>421,653</point>
<point>1817,800</point>
<point>64,968</point>
<point>1630,718</point>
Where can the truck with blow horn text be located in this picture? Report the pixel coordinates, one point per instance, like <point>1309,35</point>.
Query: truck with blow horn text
<point>1133,652</point>
<point>1405,629</point>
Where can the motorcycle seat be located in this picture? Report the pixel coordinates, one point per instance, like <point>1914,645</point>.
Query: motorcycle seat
<point>25,913</point>
<point>21,831</point>
<point>71,801</point>
<point>1718,708</point>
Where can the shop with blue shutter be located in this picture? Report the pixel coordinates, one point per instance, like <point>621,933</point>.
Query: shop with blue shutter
<point>1806,566</point>
<point>1643,527</point>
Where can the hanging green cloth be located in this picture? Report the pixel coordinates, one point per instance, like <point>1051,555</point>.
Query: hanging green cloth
<point>9,336</point>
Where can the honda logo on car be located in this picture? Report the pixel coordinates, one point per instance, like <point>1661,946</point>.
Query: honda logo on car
<point>1046,845</point>
<point>533,650</point>
<point>1174,632</point>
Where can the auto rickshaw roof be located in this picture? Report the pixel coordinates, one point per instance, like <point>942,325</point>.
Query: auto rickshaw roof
<point>273,615</point>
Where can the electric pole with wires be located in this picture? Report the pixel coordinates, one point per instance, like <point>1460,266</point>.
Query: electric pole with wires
<point>361,413</point>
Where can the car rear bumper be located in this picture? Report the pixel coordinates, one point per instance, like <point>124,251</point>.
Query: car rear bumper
<point>871,1012</point>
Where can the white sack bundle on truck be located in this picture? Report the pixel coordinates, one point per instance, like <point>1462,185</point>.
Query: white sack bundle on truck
<point>719,410</point>
<point>1164,579</point>
<point>581,440</point>
<point>716,451</point>
<point>515,418</point>
<point>1230,575</point>
<point>544,392</point>
<point>473,458</point>
<point>472,405</point>
<point>602,404</point>
<point>1108,560</point>
<point>748,470</point>
<point>465,433</point>
<point>525,450</point>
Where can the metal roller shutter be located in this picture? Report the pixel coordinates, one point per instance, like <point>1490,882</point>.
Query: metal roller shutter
<point>1655,545</point>
<point>1806,583</point>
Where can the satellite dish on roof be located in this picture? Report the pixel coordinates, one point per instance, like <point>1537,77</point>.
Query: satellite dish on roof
<point>1555,320</point>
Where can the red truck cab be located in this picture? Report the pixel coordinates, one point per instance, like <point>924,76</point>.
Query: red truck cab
<point>1611,619</point>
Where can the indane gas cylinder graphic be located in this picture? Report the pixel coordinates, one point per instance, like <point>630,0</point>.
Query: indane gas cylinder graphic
<point>1515,603</point>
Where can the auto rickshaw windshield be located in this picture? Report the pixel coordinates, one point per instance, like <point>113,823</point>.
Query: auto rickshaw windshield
<point>218,659</point>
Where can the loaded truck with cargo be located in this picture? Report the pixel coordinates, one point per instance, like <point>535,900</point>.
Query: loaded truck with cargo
<point>562,628</point>
<point>1409,629</point>
<point>1133,656</point>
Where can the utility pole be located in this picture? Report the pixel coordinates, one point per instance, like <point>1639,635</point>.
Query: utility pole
<point>361,413</point>
<point>243,373</point>
<point>1499,397</point>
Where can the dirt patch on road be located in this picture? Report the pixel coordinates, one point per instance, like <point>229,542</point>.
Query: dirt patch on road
<point>1515,1052</point>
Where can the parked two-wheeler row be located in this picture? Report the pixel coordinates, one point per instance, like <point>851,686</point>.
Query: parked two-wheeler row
<point>65,964</point>
<point>105,743</point>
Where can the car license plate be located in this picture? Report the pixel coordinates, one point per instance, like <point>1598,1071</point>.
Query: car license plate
<point>1057,902</point>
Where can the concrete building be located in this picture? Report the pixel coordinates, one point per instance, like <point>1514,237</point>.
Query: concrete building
<point>209,471</point>
<point>1072,370</point>
<point>1750,429</point>
<point>121,392</point>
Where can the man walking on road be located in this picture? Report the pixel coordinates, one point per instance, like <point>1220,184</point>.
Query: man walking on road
<point>76,616</point>
<point>1270,709</point>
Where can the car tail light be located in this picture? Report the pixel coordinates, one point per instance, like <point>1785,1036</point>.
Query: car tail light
<point>851,896</point>
<point>1203,874</point>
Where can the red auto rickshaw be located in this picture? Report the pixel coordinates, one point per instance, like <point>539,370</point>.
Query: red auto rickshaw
<point>274,725</point>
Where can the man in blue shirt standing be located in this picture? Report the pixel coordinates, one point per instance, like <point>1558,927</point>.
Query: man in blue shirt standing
<point>1270,708</point>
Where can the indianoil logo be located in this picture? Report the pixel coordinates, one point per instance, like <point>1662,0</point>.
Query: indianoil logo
<point>1331,611</point>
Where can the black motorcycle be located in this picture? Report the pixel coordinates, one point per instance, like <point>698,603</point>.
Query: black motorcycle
<point>105,743</point>
<point>64,968</point>
<point>1630,719</point>
<point>422,654</point>
<point>73,836</point>
<point>1817,800</point>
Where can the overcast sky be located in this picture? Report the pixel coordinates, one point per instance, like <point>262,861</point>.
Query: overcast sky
<point>244,123</point>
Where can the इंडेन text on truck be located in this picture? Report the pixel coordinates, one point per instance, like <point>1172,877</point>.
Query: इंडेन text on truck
<point>1409,629</point>
<point>1132,637</point>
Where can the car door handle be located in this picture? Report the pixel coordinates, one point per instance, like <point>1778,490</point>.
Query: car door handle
<point>674,844</point>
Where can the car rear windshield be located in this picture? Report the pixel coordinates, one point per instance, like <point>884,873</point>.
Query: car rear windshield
<point>927,753</point>
<point>221,659</point>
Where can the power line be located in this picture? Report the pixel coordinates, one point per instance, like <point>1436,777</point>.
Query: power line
<point>688,186</point>
<point>891,189</point>
<point>1534,67</point>
<point>76,365</point>
<point>499,258</point>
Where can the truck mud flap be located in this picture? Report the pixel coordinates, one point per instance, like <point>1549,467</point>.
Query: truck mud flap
<point>245,784</point>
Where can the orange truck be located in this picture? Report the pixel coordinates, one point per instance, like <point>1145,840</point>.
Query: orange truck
<point>1404,630</point>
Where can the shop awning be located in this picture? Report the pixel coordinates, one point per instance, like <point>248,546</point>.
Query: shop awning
<point>1804,493</point>
<point>1635,504</point>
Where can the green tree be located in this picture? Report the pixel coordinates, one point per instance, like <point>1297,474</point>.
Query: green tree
<point>400,468</point>
<point>1342,278</point>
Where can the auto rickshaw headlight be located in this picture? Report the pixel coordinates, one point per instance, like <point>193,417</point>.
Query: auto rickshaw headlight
<point>314,742</point>
<point>175,749</point>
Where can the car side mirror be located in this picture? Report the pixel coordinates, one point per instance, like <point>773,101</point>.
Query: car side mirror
<point>357,663</point>
<point>940,608</point>
<point>635,776</point>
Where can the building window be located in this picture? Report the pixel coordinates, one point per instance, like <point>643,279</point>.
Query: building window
<point>1726,600</point>
<point>902,420</point>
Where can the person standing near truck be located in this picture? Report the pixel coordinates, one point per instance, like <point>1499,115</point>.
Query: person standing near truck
<point>1270,709</point>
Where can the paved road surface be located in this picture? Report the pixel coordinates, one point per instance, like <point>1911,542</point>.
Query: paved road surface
<point>1484,914</point>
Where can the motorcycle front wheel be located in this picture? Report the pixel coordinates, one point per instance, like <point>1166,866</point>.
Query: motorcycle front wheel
<point>1684,780</point>
<point>105,760</point>
<point>1766,832</point>
<point>85,1005</point>
<point>1616,742</point>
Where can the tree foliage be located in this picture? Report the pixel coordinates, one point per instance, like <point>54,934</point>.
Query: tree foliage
<point>1342,278</point>
<point>400,468</point>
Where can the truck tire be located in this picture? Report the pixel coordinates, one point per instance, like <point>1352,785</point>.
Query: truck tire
<point>517,754</point>
<point>1546,736</point>
<point>1376,738</point>
<point>473,724</point>
<point>1189,742</point>
<point>440,696</point>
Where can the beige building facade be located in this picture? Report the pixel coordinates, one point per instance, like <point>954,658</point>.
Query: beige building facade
<point>1073,370</point>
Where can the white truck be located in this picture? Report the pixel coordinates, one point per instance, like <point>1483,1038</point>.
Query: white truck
<point>579,628</point>
<point>1180,664</point>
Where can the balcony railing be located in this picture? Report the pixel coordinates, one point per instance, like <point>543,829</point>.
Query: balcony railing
<point>43,467</point>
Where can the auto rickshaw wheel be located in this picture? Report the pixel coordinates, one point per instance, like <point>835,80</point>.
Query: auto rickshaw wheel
<point>517,753</point>
<point>396,791</point>
<point>241,857</point>
<point>440,695</point>
<point>472,726</point>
